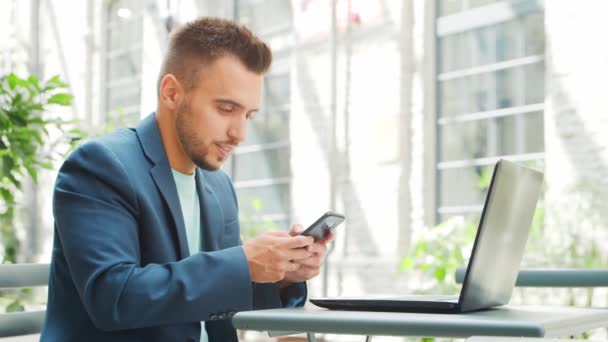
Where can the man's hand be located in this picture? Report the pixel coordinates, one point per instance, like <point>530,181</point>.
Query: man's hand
<point>272,255</point>
<point>310,267</point>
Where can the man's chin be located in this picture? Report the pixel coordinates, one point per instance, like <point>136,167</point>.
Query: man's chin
<point>209,166</point>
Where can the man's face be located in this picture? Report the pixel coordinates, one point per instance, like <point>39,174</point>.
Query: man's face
<point>212,119</point>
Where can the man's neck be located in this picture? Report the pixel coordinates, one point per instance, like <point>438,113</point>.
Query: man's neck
<point>178,159</point>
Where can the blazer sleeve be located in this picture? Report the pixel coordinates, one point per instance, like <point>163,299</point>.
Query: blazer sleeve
<point>269,296</point>
<point>96,215</point>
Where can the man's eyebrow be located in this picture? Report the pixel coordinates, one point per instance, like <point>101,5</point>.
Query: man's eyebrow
<point>234,103</point>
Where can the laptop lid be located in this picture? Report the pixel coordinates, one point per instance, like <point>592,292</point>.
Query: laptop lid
<point>495,257</point>
<point>501,237</point>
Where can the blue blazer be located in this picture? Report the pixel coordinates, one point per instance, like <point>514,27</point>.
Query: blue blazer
<point>121,269</point>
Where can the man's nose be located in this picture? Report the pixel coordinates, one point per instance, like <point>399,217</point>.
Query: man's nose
<point>238,129</point>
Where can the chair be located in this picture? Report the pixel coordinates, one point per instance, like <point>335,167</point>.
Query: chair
<point>22,275</point>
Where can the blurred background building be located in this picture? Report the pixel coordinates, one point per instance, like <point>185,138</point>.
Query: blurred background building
<point>391,112</point>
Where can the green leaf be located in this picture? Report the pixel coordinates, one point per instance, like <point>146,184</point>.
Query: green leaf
<point>6,195</point>
<point>256,204</point>
<point>33,80</point>
<point>36,106</point>
<point>12,80</point>
<point>76,131</point>
<point>56,82</point>
<point>484,179</point>
<point>406,263</point>
<point>61,99</point>
<point>32,171</point>
<point>45,164</point>
<point>440,273</point>
<point>15,306</point>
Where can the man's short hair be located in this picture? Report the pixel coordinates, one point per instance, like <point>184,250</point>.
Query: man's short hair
<point>200,42</point>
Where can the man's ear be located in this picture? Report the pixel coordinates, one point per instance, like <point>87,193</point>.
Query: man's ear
<point>171,91</point>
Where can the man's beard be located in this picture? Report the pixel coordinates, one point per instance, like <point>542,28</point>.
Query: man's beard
<point>194,149</point>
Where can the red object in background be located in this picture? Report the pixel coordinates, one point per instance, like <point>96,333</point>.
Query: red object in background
<point>355,18</point>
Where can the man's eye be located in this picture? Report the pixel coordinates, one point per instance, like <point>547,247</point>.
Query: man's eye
<point>226,109</point>
<point>250,116</point>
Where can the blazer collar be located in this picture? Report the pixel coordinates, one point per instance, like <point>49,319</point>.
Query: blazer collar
<point>150,139</point>
<point>212,215</point>
<point>151,142</point>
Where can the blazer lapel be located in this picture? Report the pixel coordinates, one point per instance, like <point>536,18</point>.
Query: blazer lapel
<point>212,215</point>
<point>152,144</point>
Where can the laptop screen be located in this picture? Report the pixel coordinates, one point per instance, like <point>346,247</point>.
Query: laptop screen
<point>502,235</point>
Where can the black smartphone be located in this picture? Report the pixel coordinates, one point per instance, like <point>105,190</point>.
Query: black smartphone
<point>322,226</point>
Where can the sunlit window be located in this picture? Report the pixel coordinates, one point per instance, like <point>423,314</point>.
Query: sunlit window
<point>490,95</point>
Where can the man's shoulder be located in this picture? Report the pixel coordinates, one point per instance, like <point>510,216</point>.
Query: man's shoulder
<point>119,140</point>
<point>122,143</point>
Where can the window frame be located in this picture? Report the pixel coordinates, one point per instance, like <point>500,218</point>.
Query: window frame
<point>465,21</point>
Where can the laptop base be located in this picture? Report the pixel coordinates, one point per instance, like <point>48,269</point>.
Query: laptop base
<point>388,305</point>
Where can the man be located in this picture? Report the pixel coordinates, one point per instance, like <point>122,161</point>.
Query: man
<point>146,242</point>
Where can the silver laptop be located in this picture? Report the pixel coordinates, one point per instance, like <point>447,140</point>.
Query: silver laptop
<point>496,256</point>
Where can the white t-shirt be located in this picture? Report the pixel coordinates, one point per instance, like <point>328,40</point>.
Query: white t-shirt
<point>191,211</point>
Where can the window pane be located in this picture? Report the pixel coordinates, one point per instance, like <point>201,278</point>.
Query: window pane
<point>272,199</point>
<point>515,134</point>
<point>265,16</point>
<point>263,164</point>
<point>498,43</point>
<point>447,7</point>
<point>227,167</point>
<point>452,97</point>
<point>479,3</point>
<point>482,45</point>
<point>277,90</point>
<point>124,58</point>
<point>534,27</point>
<point>125,95</point>
<point>469,217</point>
<point>462,187</point>
<point>534,83</point>
<point>253,225</point>
<point>125,65</point>
<point>124,34</point>
<point>268,127</point>
<point>489,91</point>
<point>467,85</point>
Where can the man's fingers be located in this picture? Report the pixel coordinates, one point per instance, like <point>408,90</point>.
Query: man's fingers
<point>317,248</point>
<point>292,267</point>
<point>278,233</point>
<point>296,230</point>
<point>297,254</point>
<point>329,237</point>
<point>313,261</point>
<point>300,241</point>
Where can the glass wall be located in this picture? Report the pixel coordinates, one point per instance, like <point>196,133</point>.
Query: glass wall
<point>491,90</point>
<point>123,61</point>
<point>260,168</point>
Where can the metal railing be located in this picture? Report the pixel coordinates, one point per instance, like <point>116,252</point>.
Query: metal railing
<point>16,276</point>
<point>555,277</point>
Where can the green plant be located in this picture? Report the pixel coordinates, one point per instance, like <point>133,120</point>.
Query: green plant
<point>30,140</point>
<point>579,218</point>
<point>253,222</point>
<point>440,250</point>
<point>24,132</point>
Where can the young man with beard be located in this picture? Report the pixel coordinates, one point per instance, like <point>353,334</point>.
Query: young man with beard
<point>146,240</point>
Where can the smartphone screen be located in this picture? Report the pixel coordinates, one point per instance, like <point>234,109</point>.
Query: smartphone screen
<point>323,225</point>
